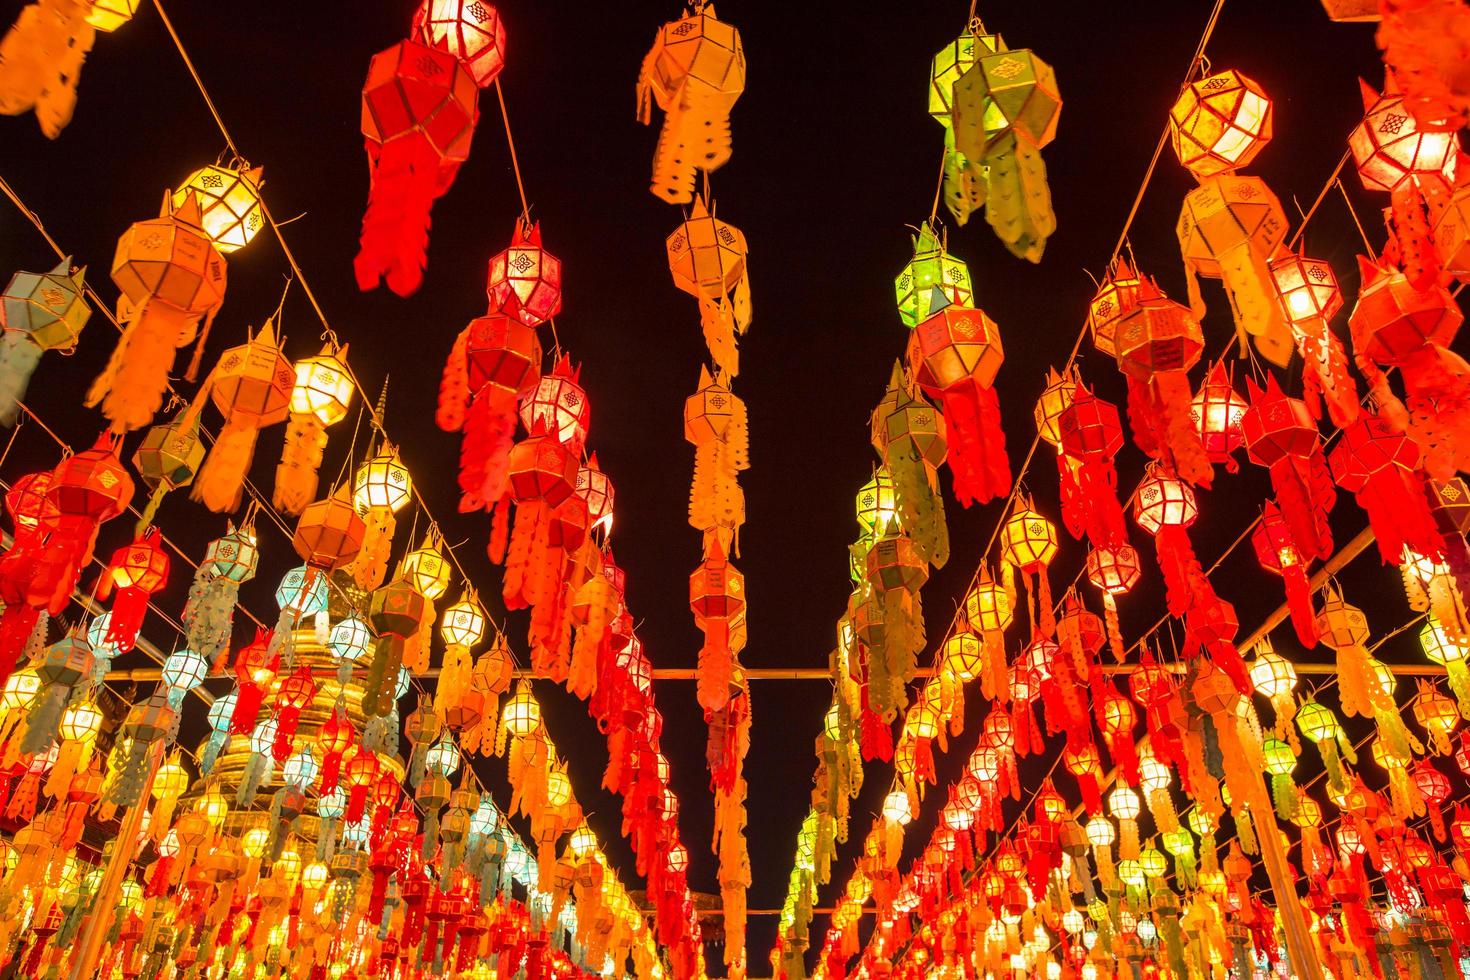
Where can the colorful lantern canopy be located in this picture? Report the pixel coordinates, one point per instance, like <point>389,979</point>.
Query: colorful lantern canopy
<point>495,361</point>
<point>695,71</point>
<point>39,311</point>
<point>954,357</point>
<point>471,30</point>
<point>1006,106</point>
<point>170,276</point>
<point>320,397</point>
<point>1219,124</point>
<point>229,203</point>
<point>525,279</point>
<point>419,109</point>
<point>251,386</point>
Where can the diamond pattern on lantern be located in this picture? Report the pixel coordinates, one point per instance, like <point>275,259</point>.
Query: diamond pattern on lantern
<point>478,11</point>
<point>1392,123</point>
<point>1008,67</point>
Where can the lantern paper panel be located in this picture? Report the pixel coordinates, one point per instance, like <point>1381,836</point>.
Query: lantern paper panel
<point>471,30</point>
<point>229,203</point>
<point>695,72</point>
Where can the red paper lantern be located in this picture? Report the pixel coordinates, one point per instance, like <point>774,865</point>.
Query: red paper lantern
<point>28,504</point>
<point>541,469</point>
<point>471,30</point>
<point>559,404</point>
<point>136,571</point>
<point>1281,435</point>
<point>1380,466</point>
<point>1216,412</point>
<point>525,279</point>
<point>1277,552</point>
<point>1390,149</point>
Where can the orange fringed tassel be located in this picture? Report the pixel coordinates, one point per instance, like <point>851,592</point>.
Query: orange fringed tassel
<point>130,389</point>
<point>527,527</point>
<point>41,61</point>
<point>1174,404</point>
<point>715,665</point>
<point>296,476</point>
<point>221,479</point>
<point>370,567</point>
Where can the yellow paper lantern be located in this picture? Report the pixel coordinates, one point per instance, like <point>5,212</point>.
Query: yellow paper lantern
<point>522,714</point>
<point>382,482</point>
<point>1219,123</point>
<point>229,199</point>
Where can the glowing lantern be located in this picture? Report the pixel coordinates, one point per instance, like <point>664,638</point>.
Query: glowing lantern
<point>1219,123</point>
<point>877,503</point>
<point>695,71</point>
<point>170,277</point>
<point>39,311</point>
<point>1114,570</point>
<point>109,15</point>
<point>350,639</point>
<point>426,568</point>
<point>542,469</point>
<point>463,624</point>
<point>419,108</point>
<point>1028,540</point>
<point>1162,501</point>
<point>183,671</point>
<point>961,656</point>
<point>1438,716</point>
<point>521,715</point>
<point>707,260</point>
<point>1281,435</point>
<point>1216,411</point>
<point>329,533</point>
<point>931,280</point>
<point>229,202</point>
<point>319,398</point>
<point>1117,297</point>
<point>383,482</point>
<point>251,387</point>
<point>896,808</point>
<point>1277,552</point>
<point>559,405</point>
<point>1389,148</point>
<point>471,30</point>
<point>596,490</point>
<point>954,356</point>
<point>1055,399</point>
<point>525,279</point>
<point>137,571</point>
<point>27,503</point>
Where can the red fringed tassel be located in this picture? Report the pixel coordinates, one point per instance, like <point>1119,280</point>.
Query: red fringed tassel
<point>454,386</point>
<point>1181,569</point>
<point>1175,402</point>
<point>1091,795</point>
<point>16,627</point>
<point>499,531</point>
<point>129,607</point>
<point>875,738</point>
<point>977,445</point>
<point>1305,492</point>
<point>1299,602</point>
<point>1438,384</point>
<point>395,230</point>
<point>1142,421</point>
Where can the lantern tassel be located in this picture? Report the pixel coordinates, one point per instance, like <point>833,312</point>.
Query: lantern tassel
<point>1438,384</point>
<point>221,479</point>
<point>454,386</point>
<point>977,449</point>
<point>296,476</point>
<point>19,357</point>
<point>41,61</point>
<point>1017,197</point>
<point>130,389</point>
<point>395,229</point>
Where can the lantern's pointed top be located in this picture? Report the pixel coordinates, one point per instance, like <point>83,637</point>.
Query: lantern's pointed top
<point>63,268</point>
<point>527,233</point>
<point>698,209</point>
<point>705,380</point>
<point>592,461</point>
<point>1368,270</point>
<point>1369,93</point>
<point>896,379</point>
<point>267,335</point>
<point>254,175</point>
<point>188,212</point>
<point>714,551</point>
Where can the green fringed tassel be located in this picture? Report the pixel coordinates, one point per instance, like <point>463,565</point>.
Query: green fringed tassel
<point>1284,795</point>
<point>920,509</point>
<point>1018,198</point>
<point>257,768</point>
<point>382,676</point>
<point>44,720</point>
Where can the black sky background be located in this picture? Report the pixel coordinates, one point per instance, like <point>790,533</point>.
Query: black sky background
<point>834,156</point>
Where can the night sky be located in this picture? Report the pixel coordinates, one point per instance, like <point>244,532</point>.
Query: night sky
<point>835,157</point>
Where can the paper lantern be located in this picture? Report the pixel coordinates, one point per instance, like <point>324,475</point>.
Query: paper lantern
<point>931,280</point>
<point>251,387</point>
<point>596,489</point>
<point>329,533</point>
<point>1389,148</point>
<point>877,505</point>
<point>27,503</point>
<point>320,397</point>
<point>1162,501</point>
<point>229,203</point>
<point>525,280</point>
<point>706,255</point>
<point>521,715</point>
<point>382,482</point>
<point>463,623</point>
<point>109,15</point>
<point>419,109</point>
<point>40,311</point>
<point>1114,570</point>
<point>559,406</point>
<point>350,639</point>
<point>137,571</point>
<point>471,30</point>
<point>426,568</point>
<point>183,671</point>
<point>1216,411</point>
<point>896,808</point>
<point>1219,123</point>
<point>302,592</point>
<point>541,469</point>
<point>1028,540</point>
<point>695,71</point>
<point>1281,435</point>
<point>170,276</point>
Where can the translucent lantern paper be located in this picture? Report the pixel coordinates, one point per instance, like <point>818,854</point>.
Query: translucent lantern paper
<point>1219,124</point>
<point>1216,411</point>
<point>1006,107</point>
<point>525,280</point>
<point>382,483</point>
<point>964,186</point>
<point>109,15</point>
<point>170,276</point>
<point>559,406</point>
<point>1391,150</point>
<point>229,203</point>
<point>39,311</point>
<point>1307,291</point>
<point>695,71</point>
<point>471,30</point>
<point>932,279</point>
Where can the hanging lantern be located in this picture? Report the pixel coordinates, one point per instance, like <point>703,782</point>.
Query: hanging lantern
<point>559,405</point>
<point>1277,552</point>
<point>1309,297</point>
<point>350,640</point>
<point>394,615</point>
<point>419,109</point>
<point>183,671</point>
<point>471,30</point>
<point>496,360</point>
<point>39,311</point>
<point>1379,465</point>
<point>27,503</point>
<point>596,490</point>
<point>715,423</point>
<point>695,71</point>
<point>329,533</point>
<point>1219,124</point>
<point>251,387</point>
<point>964,185</point>
<point>1390,149</point>
<point>932,280</point>
<point>541,470</point>
<point>1006,106</point>
<point>168,459</point>
<point>170,277</point>
<point>463,623</point>
<point>383,482</point>
<point>1216,411</point>
<point>1438,716</point>
<point>229,203</point>
<point>525,279</point>
<point>229,562</point>
<point>716,597</point>
<point>1281,435</point>
<point>911,437</point>
<point>426,568</point>
<point>1117,297</point>
<point>954,357</point>
<point>319,398</point>
<point>707,259</point>
<point>109,15</point>
<point>137,571</point>
<point>1091,435</point>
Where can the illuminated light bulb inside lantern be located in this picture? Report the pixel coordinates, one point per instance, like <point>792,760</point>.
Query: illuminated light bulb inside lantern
<point>463,624</point>
<point>1100,831</point>
<point>81,721</point>
<point>253,842</point>
<point>896,808</point>
<point>314,876</point>
<point>558,789</point>
<point>444,758</point>
<point>382,482</point>
<point>877,502</point>
<point>1053,970</point>
<point>21,688</point>
<point>1439,645</point>
<point>1426,570</point>
<point>229,202</point>
<point>522,715</point>
<point>323,388</point>
<point>350,640</point>
<point>426,569</point>
<point>582,842</point>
